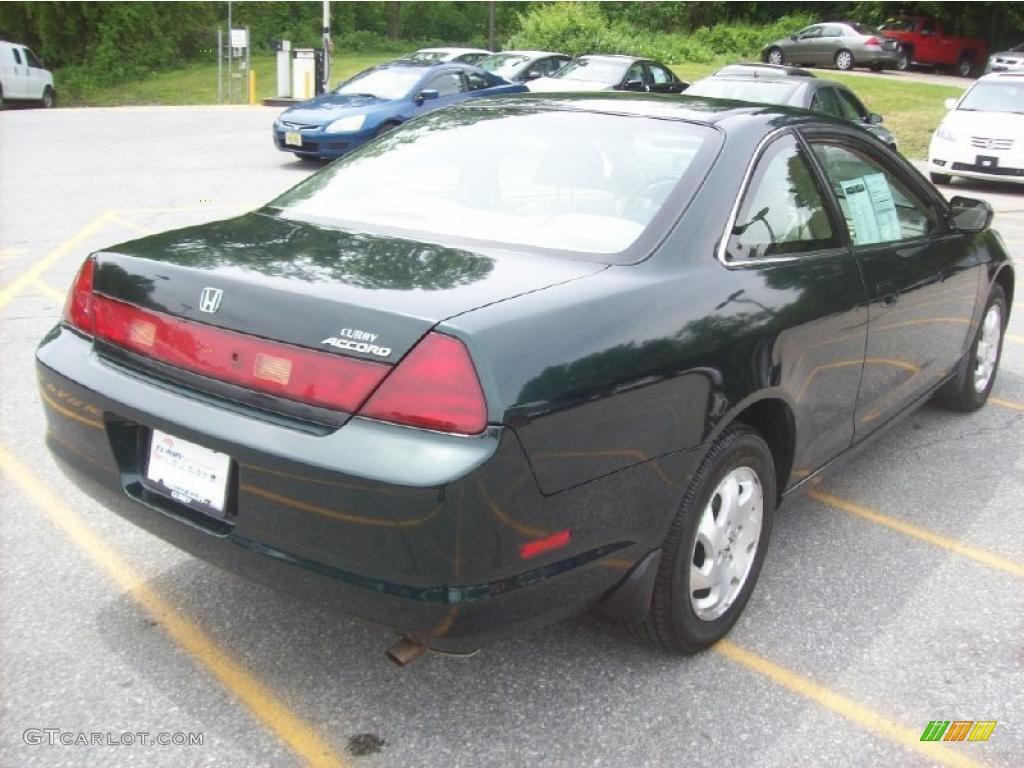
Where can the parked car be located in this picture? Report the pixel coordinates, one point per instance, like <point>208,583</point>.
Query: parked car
<point>454,55</point>
<point>610,73</point>
<point>923,41</point>
<point>486,375</point>
<point>982,136</point>
<point>792,87</point>
<point>23,76</point>
<point>521,66</point>
<point>375,101</point>
<point>843,45</point>
<point>1011,60</point>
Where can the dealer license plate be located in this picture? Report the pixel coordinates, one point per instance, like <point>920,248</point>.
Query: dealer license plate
<point>293,139</point>
<point>189,473</point>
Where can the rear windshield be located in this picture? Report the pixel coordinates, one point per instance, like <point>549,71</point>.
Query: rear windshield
<point>578,182</point>
<point>764,90</point>
<point>503,64</point>
<point>864,29</point>
<point>595,70</point>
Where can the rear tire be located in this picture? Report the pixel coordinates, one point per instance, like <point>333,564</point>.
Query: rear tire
<point>982,360</point>
<point>775,56</point>
<point>844,60</point>
<point>940,178</point>
<point>965,66</point>
<point>903,62</point>
<point>49,100</point>
<point>718,537</point>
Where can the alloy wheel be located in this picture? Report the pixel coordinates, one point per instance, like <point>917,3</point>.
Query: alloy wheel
<point>987,355</point>
<point>844,60</point>
<point>726,543</point>
<point>774,56</point>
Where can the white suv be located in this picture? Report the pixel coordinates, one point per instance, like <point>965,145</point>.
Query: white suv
<point>22,76</point>
<point>982,137</point>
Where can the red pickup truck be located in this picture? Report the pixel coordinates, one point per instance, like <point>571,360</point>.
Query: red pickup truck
<point>924,42</point>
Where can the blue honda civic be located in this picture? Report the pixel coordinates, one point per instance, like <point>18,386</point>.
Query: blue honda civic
<point>375,101</point>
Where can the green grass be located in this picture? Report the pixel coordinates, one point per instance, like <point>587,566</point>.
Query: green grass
<point>911,110</point>
<point>197,83</point>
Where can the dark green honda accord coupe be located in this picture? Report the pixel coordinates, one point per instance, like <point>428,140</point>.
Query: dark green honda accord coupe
<point>521,358</point>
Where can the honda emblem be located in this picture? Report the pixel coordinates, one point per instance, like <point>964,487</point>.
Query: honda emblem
<point>209,300</point>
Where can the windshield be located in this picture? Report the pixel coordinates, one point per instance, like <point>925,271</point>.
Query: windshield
<point>864,29</point>
<point>995,96</point>
<point>391,83</point>
<point>898,25</point>
<point>503,64</point>
<point>570,181</point>
<point>428,56</point>
<point>764,90</point>
<point>594,70</point>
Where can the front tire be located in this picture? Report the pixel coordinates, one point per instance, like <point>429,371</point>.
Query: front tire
<point>844,60</point>
<point>712,555</point>
<point>775,56</point>
<point>982,359</point>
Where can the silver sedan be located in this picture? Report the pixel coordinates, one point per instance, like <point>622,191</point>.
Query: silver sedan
<point>841,45</point>
<point>1007,61</point>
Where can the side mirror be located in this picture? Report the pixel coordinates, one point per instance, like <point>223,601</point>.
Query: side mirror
<point>428,95</point>
<point>967,214</point>
<point>793,37</point>
<point>950,103</point>
<point>875,119</point>
<point>533,74</point>
<point>634,85</point>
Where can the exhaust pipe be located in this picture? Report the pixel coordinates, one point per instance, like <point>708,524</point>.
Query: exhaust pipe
<point>405,651</point>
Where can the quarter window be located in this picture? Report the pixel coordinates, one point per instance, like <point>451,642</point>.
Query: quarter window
<point>783,211</point>
<point>825,101</point>
<point>877,207</point>
<point>476,81</point>
<point>659,75</point>
<point>852,108</point>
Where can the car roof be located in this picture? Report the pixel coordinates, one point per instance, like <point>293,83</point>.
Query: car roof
<point>612,56</point>
<point>757,69</point>
<point>451,50</point>
<point>532,54</point>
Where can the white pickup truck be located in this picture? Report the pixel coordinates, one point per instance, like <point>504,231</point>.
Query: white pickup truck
<point>22,76</point>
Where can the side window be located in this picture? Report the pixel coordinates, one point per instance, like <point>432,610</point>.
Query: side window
<point>32,60</point>
<point>852,108</point>
<point>447,84</point>
<point>782,211</point>
<point>17,55</point>
<point>659,75</point>
<point>475,81</point>
<point>828,102</point>
<point>832,32</point>
<point>928,28</point>
<point>809,33</point>
<point>877,207</point>
<point>634,73</point>
<point>557,63</point>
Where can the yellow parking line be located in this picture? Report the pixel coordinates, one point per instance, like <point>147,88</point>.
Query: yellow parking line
<point>29,276</point>
<point>131,225</point>
<point>917,532</point>
<point>263,704</point>
<point>843,706</point>
<point>1006,403</point>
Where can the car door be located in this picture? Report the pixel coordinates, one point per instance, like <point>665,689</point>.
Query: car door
<point>828,42</point>
<point>787,237</point>
<point>661,80</point>
<point>450,88</point>
<point>922,278</point>
<point>35,80</point>
<point>801,50</point>
<point>16,83</point>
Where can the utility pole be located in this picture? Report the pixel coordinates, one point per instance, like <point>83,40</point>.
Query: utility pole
<point>327,46</point>
<point>231,54</point>
<point>490,25</point>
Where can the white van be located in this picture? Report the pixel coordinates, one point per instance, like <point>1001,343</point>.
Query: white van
<point>22,76</point>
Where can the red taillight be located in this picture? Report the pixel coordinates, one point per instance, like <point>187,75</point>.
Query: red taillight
<point>540,546</point>
<point>78,307</point>
<point>872,41</point>
<point>434,387</point>
<point>316,378</point>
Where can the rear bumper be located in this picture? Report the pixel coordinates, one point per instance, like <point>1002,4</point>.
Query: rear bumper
<point>414,531</point>
<point>867,57</point>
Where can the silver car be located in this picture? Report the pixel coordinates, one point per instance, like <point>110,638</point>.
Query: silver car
<point>1006,61</point>
<point>843,45</point>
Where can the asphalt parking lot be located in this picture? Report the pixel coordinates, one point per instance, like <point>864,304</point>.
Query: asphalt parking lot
<point>892,595</point>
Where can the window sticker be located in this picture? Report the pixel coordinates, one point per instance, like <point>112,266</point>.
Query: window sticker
<point>871,208</point>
